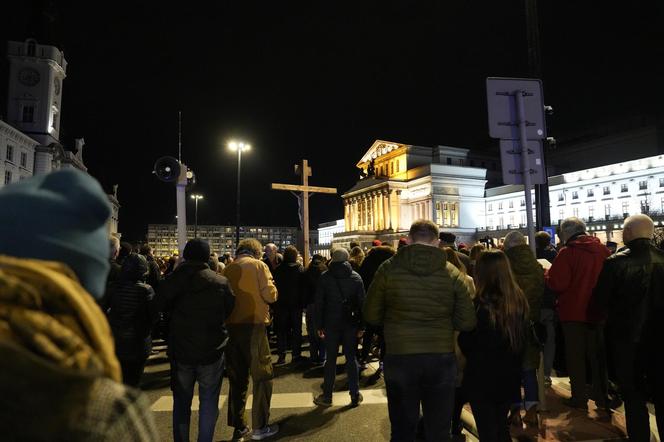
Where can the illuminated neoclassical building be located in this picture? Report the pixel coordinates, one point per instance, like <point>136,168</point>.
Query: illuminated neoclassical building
<point>402,183</point>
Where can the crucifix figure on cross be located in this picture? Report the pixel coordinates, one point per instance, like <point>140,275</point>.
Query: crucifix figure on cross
<point>305,190</point>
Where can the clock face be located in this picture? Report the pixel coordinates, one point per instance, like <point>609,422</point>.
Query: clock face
<point>28,77</point>
<point>56,86</point>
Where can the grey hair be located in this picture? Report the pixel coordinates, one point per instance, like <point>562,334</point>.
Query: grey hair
<point>115,246</point>
<point>572,226</point>
<point>513,239</point>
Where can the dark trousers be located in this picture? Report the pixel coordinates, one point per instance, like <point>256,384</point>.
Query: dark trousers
<point>248,353</point>
<point>428,380</point>
<point>585,342</point>
<point>638,373</point>
<point>460,399</point>
<point>316,344</point>
<point>132,370</point>
<point>490,418</point>
<point>289,329</point>
<point>548,318</point>
<point>367,339</point>
<point>183,378</point>
<point>347,337</point>
<point>530,390</point>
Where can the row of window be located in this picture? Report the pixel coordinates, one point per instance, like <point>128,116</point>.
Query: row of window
<point>606,190</point>
<point>10,156</point>
<point>510,205</point>
<point>462,162</point>
<point>383,169</point>
<point>625,206</point>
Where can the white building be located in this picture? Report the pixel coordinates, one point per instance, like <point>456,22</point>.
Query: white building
<point>325,235</point>
<point>601,196</point>
<point>17,154</point>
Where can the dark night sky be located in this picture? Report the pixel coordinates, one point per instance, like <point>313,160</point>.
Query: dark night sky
<point>320,82</point>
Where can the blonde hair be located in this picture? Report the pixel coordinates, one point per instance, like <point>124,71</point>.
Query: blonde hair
<point>356,255</point>
<point>498,290</point>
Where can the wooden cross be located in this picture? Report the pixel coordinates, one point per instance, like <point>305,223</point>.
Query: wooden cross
<point>305,190</point>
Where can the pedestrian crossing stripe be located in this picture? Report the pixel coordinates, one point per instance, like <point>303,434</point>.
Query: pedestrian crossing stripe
<point>285,400</point>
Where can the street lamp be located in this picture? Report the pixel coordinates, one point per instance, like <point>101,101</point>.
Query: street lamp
<point>239,147</point>
<point>196,197</point>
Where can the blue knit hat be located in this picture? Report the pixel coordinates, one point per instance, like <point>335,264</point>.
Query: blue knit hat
<point>60,216</point>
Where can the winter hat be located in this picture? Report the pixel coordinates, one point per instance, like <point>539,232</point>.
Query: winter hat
<point>376,242</point>
<point>340,255</point>
<point>447,237</point>
<point>134,268</point>
<point>197,249</point>
<point>60,216</point>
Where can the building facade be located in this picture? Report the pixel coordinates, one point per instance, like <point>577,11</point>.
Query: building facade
<point>163,237</point>
<point>325,236</point>
<point>404,183</point>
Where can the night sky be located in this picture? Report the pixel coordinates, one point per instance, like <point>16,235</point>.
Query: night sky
<point>320,81</point>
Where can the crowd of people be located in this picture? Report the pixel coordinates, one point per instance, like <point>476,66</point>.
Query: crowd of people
<point>449,323</point>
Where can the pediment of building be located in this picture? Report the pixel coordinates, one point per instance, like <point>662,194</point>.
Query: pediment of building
<point>380,148</point>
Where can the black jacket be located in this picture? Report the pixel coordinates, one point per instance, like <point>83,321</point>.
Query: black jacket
<point>130,309</point>
<point>199,301</point>
<point>288,279</point>
<point>493,370</point>
<point>374,259</point>
<point>630,292</point>
<point>549,296</point>
<point>311,279</point>
<point>154,274</point>
<point>340,281</point>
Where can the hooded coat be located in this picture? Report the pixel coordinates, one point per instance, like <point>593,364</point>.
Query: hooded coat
<point>573,275</point>
<point>420,299</point>
<point>529,276</point>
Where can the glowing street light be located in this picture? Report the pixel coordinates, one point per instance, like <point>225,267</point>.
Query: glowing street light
<point>196,197</point>
<point>239,147</point>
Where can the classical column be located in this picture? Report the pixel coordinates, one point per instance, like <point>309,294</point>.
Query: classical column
<point>374,212</point>
<point>433,211</point>
<point>386,209</point>
<point>398,207</point>
<point>354,220</point>
<point>390,209</point>
<point>381,211</point>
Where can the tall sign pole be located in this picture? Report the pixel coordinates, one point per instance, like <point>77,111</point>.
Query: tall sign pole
<point>305,189</point>
<point>521,107</point>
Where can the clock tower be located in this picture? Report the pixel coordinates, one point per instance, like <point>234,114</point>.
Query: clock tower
<point>36,74</point>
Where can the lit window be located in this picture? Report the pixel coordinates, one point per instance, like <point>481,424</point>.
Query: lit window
<point>591,212</point>
<point>575,195</point>
<point>397,166</point>
<point>607,210</point>
<point>625,207</point>
<point>561,196</point>
<point>606,190</point>
<point>490,207</point>
<point>8,176</point>
<point>661,182</point>
<point>522,203</point>
<point>575,212</point>
<point>643,185</point>
<point>500,206</point>
<point>10,153</point>
<point>591,193</point>
<point>623,187</point>
<point>511,204</point>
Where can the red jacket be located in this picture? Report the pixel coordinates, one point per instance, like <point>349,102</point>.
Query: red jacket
<point>573,276</point>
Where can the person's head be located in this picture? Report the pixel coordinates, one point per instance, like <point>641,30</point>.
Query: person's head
<point>453,259</point>
<point>290,255</point>
<point>226,258</point>
<point>513,239</point>
<point>476,251</point>
<point>318,263</point>
<point>60,216</point>
<point>196,250</point>
<point>571,227</point>
<point>424,232</point>
<point>542,240</point>
<point>340,255</point>
<point>134,268</point>
<point>354,244</point>
<point>213,262</point>
<point>638,227</point>
<point>374,243</point>
<point>114,243</point>
<point>146,250</point>
<point>448,239</point>
<point>271,251</point>
<point>126,249</point>
<point>497,289</point>
<point>251,247</point>
<point>403,242</point>
<point>356,254</point>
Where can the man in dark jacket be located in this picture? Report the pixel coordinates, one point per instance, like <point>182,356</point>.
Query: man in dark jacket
<point>154,274</point>
<point>376,256</point>
<point>131,314</point>
<point>631,290</point>
<point>448,239</point>
<point>311,279</point>
<point>339,299</point>
<point>573,276</point>
<point>288,308</point>
<point>199,301</point>
<point>545,250</point>
<point>420,299</point>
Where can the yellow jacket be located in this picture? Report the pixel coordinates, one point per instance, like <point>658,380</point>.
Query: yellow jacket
<point>254,289</point>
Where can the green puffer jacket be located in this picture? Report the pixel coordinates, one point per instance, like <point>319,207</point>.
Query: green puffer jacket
<point>529,275</point>
<point>420,299</point>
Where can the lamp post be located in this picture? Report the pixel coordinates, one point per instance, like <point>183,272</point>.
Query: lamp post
<point>196,197</point>
<point>238,147</point>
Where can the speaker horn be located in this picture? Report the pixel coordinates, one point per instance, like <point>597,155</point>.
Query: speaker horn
<point>168,169</point>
